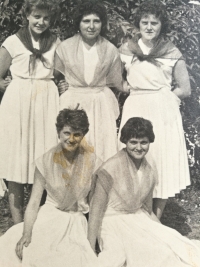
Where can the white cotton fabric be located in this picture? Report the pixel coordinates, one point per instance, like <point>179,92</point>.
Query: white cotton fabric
<point>90,62</point>
<point>140,240</point>
<point>91,89</point>
<point>28,114</point>
<point>58,239</point>
<point>3,188</point>
<point>21,56</point>
<point>151,98</point>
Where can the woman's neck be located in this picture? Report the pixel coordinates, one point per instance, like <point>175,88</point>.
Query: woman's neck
<point>70,155</point>
<point>137,162</point>
<point>35,36</point>
<point>149,43</point>
<point>89,43</point>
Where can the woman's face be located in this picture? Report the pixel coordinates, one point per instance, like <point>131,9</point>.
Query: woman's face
<point>150,27</point>
<point>137,148</point>
<point>39,21</point>
<point>90,27</point>
<point>70,138</point>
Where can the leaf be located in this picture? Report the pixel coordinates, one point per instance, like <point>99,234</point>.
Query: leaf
<point>6,2</point>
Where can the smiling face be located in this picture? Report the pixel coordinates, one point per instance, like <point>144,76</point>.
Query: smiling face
<point>137,148</point>
<point>38,21</point>
<point>90,27</point>
<point>150,27</point>
<point>70,138</point>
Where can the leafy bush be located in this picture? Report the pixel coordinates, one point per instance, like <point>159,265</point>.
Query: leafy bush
<point>185,34</point>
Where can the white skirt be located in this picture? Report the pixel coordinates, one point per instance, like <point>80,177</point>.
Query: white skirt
<point>28,114</point>
<point>139,240</point>
<point>169,149</point>
<point>59,239</point>
<point>3,188</point>
<point>102,110</point>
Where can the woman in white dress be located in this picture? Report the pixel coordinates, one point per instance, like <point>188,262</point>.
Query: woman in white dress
<point>151,63</point>
<point>56,235</point>
<point>91,65</point>
<point>121,214</point>
<point>31,101</point>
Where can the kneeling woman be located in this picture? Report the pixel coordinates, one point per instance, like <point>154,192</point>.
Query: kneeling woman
<point>56,235</point>
<point>121,209</point>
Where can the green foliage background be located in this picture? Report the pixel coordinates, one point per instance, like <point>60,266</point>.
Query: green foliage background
<point>184,32</point>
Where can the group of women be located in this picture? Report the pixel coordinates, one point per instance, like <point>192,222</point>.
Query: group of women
<point>119,192</point>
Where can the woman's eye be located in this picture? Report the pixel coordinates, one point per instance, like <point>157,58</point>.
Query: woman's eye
<point>133,143</point>
<point>77,135</point>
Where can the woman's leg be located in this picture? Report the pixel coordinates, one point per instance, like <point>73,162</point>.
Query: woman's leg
<point>16,201</point>
<point>158,206</point>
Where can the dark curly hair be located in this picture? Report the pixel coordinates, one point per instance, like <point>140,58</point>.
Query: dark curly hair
<point>137,127</point>
<point>52,6</point>
<point>156,8</point>
<point>75,118</point>
<point>87,8</point>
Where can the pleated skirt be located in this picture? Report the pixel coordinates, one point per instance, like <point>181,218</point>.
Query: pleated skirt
<point>28,114</point>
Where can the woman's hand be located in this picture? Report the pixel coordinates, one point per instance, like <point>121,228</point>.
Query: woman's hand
<point>62,86</point>
<point>24,241</point>
<point>4,83</point>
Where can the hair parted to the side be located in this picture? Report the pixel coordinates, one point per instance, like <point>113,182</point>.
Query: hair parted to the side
<point>87,8</point>
<point>156,8</point>
<point>137,127</point>
<point>52,6</point>
<point>77,119</point>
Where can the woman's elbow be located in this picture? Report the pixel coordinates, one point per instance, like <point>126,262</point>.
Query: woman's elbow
<point>187,92</point>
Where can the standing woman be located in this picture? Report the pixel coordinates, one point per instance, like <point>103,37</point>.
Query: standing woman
<point>91,65</point>
<point>30,104</point>
<point>151,63</point>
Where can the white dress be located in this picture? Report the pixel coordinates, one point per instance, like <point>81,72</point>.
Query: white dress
<point>151,98</point>
<point>59,239</point>
<point>28,113</point>
<point>129,236</point>
<point>59,235</point>
<point>89,74</point>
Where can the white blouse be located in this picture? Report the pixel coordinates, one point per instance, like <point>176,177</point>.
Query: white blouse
<point>21,56</point>
<point>91,59</point>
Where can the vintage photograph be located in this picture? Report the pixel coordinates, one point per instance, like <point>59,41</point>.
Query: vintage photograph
<point>99,133</point>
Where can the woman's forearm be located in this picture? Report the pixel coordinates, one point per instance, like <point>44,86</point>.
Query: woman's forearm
<point>34,203</point>
<point>29,220</point>
<point>97,210</point>
<point>5,62</point>
<point>181,76</point>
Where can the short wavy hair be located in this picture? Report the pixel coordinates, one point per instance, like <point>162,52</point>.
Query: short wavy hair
<point>156,8</point>
<point>77,119</point>
<point>52,6</point>
<point>137,127</point>
<point>87,8</point>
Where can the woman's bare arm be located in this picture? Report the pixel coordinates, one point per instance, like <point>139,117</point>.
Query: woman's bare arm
<point>182,79</point>
<point>97,210</point>
<point>5,62</point>
<point>31,212</point>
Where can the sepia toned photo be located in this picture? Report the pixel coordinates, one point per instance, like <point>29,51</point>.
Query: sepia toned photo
<point>99,133</point>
